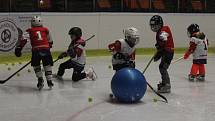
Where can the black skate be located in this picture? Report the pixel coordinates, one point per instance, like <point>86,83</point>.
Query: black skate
<point>200,78</point>
<point>191,77</point>
<point>164,88</point>
<point>40,83</point>
<point>50,84</point>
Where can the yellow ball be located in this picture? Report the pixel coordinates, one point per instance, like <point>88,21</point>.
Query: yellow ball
<point>109,66</point>
<point>18,74</point>
<point>29,70</point>
<point>90,99</point>
<point>155,99</point>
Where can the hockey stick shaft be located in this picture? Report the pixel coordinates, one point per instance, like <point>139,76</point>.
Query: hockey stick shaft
<point>148,64</point>
<point>177,60</point>
<point>90,38</point>
<point>149,84</point>
<point>3,81</point>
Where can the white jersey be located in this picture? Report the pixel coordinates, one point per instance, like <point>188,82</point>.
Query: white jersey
<point>201,48</point>
<point>82,58</point>
<point>126,50</point>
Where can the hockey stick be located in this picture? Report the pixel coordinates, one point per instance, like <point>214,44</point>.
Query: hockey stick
<point>3,81</point>
<point>149,84</point>
<point>177,60</point>
<point>90,37</point>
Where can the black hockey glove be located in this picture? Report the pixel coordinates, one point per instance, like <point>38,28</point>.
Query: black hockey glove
<point>50,44</point>
<point>158,56</point>
<point>119,55</point>
<point>131,64</point>
<point>62,55</point>
<point>157,46</point>
<point>18,52</point>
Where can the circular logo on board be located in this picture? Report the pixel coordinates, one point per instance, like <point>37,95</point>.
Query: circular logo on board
<point>9,34</point>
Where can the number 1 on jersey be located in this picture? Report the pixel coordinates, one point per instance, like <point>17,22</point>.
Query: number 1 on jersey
<point>39,35</point>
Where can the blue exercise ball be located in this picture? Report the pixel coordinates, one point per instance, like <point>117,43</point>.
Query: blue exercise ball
<point>128,85</point>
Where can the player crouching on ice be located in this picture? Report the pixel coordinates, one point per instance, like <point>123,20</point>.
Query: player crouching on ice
<point>41,43</point>
<point>77,61</point>
<point>198,47</point>
<point>123,50</point>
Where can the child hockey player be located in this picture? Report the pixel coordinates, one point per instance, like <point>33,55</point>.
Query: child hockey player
<point>198,47</point>
<point>41,43</point>
<point>123,50</point>
<point>165,51</point>
<point>76,51</point>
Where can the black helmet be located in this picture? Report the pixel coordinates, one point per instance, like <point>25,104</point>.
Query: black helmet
<point>156,23</point>
<point>193,28</point>
<point>75,31</point>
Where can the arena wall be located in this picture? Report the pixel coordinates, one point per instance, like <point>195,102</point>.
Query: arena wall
<point>109,26</point>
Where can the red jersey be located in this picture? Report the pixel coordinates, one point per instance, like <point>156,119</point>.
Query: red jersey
<point>38,36</point>
<point>164,39</point>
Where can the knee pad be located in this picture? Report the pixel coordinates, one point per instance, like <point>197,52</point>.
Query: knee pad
<point>38,71</point>
<point>48,72</point>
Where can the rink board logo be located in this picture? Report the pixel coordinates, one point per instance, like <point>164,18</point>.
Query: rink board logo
<point>9,34</point>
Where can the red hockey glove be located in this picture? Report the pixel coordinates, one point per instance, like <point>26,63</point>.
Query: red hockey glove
<point>186,55</point>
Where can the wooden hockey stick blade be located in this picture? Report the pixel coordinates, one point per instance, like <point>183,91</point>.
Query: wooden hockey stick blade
<point>3,81</point>
<point>157,92</point>
<point>149,84</point>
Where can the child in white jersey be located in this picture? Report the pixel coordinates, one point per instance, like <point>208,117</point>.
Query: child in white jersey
<point>76,51</point>
<point>123,50</point>
<point>199,48</point>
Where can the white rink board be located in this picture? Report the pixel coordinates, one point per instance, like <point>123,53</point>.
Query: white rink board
<point>109,26</point>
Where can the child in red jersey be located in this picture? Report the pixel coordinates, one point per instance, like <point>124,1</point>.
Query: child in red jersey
<point>41,43</point>
<point>165,51</point>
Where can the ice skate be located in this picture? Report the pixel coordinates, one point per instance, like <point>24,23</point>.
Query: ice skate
<point>40,83</point>
<point>50,84</point>
<point>91,74</point>
<point>191,77</point>
<point>200,78</point>
<point>164,88</point>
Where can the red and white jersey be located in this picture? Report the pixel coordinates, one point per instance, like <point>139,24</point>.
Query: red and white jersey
<point>200,47</point>
<point>122,46</point>
<point>39,38</point>
<point>79,50</point>
<point>164,39</point>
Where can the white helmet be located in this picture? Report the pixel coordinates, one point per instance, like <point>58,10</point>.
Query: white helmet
<point>132,35</point>
<point>36,21</point>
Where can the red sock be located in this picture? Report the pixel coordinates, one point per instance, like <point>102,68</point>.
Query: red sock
<point>194,69</point>
<point>202,69</point>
